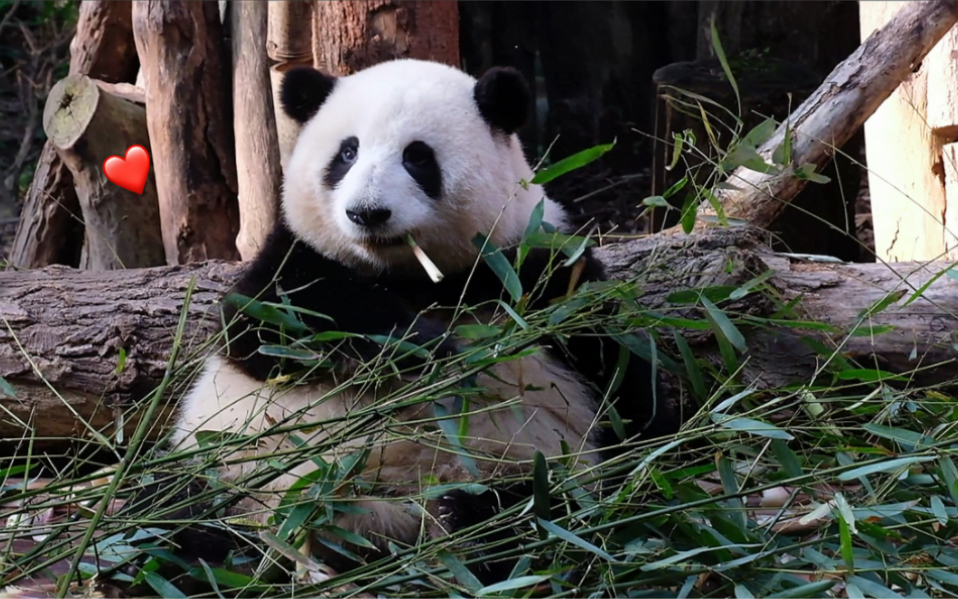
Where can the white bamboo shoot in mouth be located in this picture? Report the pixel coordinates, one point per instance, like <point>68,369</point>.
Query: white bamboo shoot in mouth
<point>431,269</point>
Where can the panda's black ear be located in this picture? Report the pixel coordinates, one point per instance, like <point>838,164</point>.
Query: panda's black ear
<point>503,97</point>
<point>303,91</point>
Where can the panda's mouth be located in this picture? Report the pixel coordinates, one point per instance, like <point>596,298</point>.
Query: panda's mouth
<point>383,242</point>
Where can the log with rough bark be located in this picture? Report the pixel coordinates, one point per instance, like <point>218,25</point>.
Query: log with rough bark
<point>87,124</point>
<point>288,44</point>
<point>258,172</point>
<point>50,230</point>
<point>186,77</point>
<point>74,324</point>
<point>837,109</point>
<point>354,34</point>
<point>103,46</point>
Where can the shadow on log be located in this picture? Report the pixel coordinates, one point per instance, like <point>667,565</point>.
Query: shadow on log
<point>74,324</point>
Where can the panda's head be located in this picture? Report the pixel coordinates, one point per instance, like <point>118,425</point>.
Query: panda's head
<point>408,147</point>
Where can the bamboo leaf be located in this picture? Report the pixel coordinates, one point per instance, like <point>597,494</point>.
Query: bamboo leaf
<point>720,54</point>
<point>939,510</point>
<point>499,265</point>
<point>477,331</point>
<point>884,466</point>
<point>162,586</point>
<point>723,324</point>
<point>899,435</point>
<point>535,219</point>
<point>7,389</point>
<point>749,425</point>
<point>571,163</point>
<point>511,585</point>
<point>870,587</point>
<point>570,538</point>
<point>460,571</point>
<point>812,589</point>
<point>761,133</point>
<point>882,304</point>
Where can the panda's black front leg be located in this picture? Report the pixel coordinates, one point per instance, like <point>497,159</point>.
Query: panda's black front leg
<point>366,315</point>
<point>343,302</point>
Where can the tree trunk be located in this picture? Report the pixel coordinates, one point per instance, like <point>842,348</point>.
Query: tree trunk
<point>50,230</point>
<point>908,141</point>
<point>186,72</point>
<point>103,46</point>
<point>87,124</point>
<point>289,44</point>
<point>73,324</point>
<point>827,119</point>
<point>354,34</point>
<point>258,172</point>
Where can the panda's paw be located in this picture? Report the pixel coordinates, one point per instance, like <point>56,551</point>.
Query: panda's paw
<point>457,510</point>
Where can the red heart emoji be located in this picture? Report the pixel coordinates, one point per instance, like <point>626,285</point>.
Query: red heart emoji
<point>129,173</point>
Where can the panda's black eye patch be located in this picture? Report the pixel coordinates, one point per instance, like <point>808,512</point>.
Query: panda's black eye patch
<point>420,162</point>
<point>342,162</point>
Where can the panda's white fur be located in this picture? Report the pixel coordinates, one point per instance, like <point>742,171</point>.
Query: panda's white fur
<point>535,403</point>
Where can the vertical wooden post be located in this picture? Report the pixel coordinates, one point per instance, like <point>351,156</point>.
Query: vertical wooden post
<point>288,45</point>
<point>258,171</point>
<point>186,71</point>
<point>910,145</point>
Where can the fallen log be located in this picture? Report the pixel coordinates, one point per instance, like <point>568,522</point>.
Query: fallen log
<point>836,111</point>
<point>88,345</point>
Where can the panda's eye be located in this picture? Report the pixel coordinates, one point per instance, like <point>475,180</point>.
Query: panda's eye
<point>420,162</point>
<point>418,154</point>
<point>341,162</point>
<point>349,149</point>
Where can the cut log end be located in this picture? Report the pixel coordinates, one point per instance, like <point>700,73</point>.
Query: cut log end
<point>70,107</point>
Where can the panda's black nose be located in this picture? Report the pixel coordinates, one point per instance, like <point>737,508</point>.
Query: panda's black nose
<point>372,217</point>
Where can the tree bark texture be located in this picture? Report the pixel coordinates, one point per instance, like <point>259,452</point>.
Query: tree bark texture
<point>50,230</point>
<point>186,71</point>
<point>103,46</point>
<point>62,332</point>
<point>86,125</point>
<point>838,108</point>
<point>258,172</point>
<point>354,34</point>
<point>73,324</point>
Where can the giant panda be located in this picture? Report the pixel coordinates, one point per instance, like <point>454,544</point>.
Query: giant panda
<point>409,147</point>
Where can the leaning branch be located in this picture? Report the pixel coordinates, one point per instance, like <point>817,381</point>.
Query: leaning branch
<point>836,110</point>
